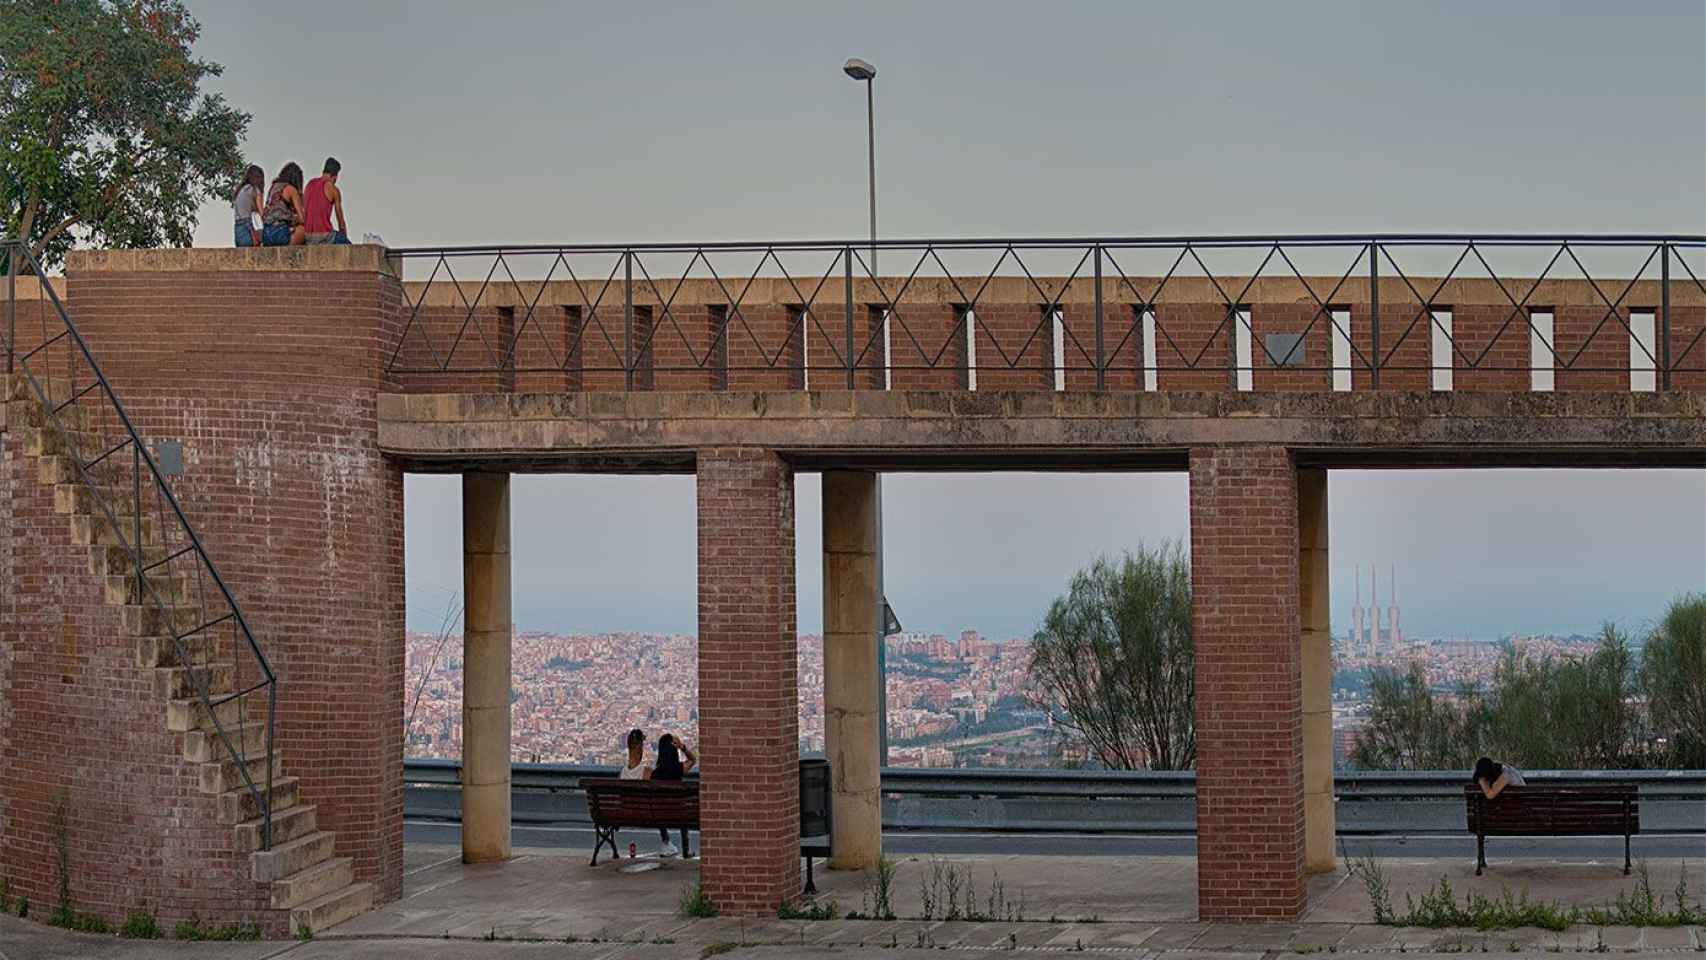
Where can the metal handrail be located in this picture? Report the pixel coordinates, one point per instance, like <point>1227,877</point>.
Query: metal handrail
<point>148,594</point>
<point>1078,350</point>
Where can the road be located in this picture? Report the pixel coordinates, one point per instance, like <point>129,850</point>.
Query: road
<point>1146,845</point>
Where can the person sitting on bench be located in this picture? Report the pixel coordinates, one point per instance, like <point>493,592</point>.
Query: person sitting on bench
<point>1493,777</point>
<point>670,767</point>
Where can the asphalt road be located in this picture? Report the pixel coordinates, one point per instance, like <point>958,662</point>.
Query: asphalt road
<point>1141,845</point>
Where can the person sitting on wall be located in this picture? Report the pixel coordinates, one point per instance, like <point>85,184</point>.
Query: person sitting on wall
<point>1493,777</point>
<point>325,199</point>
<point>246,205</point>
<point>670,767</point>
<point>282,220</point>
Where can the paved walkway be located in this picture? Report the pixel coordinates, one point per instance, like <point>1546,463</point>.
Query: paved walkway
<point>551,903</point>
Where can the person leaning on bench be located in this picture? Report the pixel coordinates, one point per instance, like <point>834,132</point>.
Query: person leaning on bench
<point>1493,777</point>
<point>670,767</point>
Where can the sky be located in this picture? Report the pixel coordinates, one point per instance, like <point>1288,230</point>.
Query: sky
<point>550,123</point>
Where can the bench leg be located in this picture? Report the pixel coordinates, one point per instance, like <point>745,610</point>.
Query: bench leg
<point>1625,853</point>
<point>1480,853</point>
<point>686,851</point>
<point>604,836</point>
<point>811,887</point>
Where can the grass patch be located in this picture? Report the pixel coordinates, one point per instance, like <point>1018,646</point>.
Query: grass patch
<point>140,925</point>
<point>1440,908</point>
<point>876,901</point>
<point>694,903</point>
<point>716,949</point>
<point>67,919</point>
<point>194,929</point>
<point>819,910</point>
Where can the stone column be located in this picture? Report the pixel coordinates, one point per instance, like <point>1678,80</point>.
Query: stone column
<point>1315,608</point>
<point>485,667</point>
<point>749,794</point>
<point>852,694</point>
<point>1249,684</point>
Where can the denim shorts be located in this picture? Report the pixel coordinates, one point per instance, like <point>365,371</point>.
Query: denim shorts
<point>336,236</point>
<point>243,237</point>
<point>275,235</point>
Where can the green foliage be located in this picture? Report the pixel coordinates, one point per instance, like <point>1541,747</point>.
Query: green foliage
<point>5,895</point>
<point>694,903</point>
<point>948,891</point>
<point>1540,712</point>
<point>1674,672</point>
<point>1114,662</point>
<point>105,134</point>
<point>59,826</point>
<point>78,921</point>
<point>194,929</point>
<point>140,925</point>
<point>1440,908</point>
<point>816,910</point>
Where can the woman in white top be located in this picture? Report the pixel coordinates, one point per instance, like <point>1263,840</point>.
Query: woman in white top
<point>1493,777</point>
<point>245,206</point>
<point>635,768</point>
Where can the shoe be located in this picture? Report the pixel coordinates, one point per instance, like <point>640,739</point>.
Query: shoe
<point>668,850</point>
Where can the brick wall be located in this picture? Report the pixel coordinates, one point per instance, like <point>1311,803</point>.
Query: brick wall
<point>1316,351</point>
<point>748,685</point>
<point>1249,695</point>
<point>1496,341</point>
<point>1193,347</point>
<point>765,345</point>
<point>269,377</point>
<point>927,347</point>
<point>1587,338</point>
<point>1122,346</point>
<point>1015,348</point>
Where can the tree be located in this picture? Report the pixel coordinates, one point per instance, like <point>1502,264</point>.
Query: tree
<point>1114,662</point>
<point>105,135</point>
<point>1674,673</point>
<point>1412,729</point>
<point>1569,714</point>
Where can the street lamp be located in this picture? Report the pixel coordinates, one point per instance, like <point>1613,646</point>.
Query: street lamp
<point>860,70</point>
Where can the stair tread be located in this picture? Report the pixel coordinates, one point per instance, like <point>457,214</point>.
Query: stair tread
<point>306,840</point>
<point>299,810</point>
<point>335,895</point>
<point>328,865</point>
<point>277,783</point>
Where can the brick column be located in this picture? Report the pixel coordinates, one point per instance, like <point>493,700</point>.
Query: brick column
<point>852,691</point>
<point>1249,697</point>
<point>748,681</point>
<point>1315,608</point>
<point>486,668</point>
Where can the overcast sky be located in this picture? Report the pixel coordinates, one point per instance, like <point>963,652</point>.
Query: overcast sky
<point>518,122</point>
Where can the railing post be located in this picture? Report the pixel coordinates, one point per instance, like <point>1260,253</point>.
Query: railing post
<point>1101,360</point>
<point>1664,316</point>
<point>1374,313</point>
<point>11,304</point>
<point>136,518</point>
<point>628,320</point>
<point>847,262</point>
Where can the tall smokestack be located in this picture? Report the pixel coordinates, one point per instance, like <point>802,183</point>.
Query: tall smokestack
<point>1394,632</point>
<point>1357,640</point>
<point>1374,611</point>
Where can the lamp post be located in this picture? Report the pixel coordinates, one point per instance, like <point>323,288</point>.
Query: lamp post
<point>862,71</point>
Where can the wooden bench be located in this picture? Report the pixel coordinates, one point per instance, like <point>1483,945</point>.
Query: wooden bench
<point>1597,811</point>
<point>615,803</point>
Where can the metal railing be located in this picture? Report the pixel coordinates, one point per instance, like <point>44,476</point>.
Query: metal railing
<point>626,309</point>
<point>144,543</point>
<point>1083,801</point>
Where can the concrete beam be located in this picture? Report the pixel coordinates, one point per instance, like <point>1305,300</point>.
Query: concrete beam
<point>1315,611</point>
<point>820,430</point>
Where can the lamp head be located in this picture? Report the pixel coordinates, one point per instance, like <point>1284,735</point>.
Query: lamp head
<point>859,69</point>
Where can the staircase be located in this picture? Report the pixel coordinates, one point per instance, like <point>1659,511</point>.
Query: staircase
<point>187,628</point>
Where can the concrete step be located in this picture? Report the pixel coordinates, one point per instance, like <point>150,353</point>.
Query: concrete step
<point>285,859</point>
<point>122,589</point>
<point>29,412</point>
<point>51,442</point>
<point>148,620</point>
<point>191,714</point>
<point>205,746</point>
<point>322,878</point>
<point>56,389</point>
<point>118,561</point>
<point>98,531</point>
<point>218,776</point>
<point>55,470</point>
<point>184,683</point>
<point>288,824</point>
<point>238,805</point>
<point>160,651</point>
<point>77,498</point>
<point>317,916</point>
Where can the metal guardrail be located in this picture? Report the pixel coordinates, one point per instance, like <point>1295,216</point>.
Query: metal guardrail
<point>626,316</point>
<point>1086,801</point>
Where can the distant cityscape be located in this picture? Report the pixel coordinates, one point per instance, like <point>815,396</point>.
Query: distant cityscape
<point>953,701</point>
